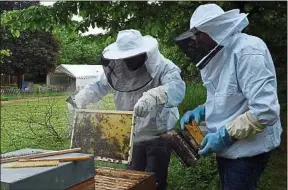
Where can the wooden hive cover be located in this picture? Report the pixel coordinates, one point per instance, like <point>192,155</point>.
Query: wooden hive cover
<point>106,134</point>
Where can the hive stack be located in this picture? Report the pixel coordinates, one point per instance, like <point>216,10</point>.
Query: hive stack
<point>63,176</point>
<point>111,179</point>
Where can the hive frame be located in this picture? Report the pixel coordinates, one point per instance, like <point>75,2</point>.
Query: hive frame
<point>107,112</point>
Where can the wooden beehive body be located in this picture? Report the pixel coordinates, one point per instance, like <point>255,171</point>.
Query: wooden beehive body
<point>108,179</point>
<point>108,135</point>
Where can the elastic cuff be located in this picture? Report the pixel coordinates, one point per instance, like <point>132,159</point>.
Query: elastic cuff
<point>202,113</point>
<point>258,125</point>
<point>228,140</point>
<point>243,126</point>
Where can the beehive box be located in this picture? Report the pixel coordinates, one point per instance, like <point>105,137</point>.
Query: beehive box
<point>85,185</point>
<point>66,175</point>
<point>112,179</point>
<point>106,134</point>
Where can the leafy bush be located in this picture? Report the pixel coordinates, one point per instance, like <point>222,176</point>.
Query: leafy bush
<point>201,176</point>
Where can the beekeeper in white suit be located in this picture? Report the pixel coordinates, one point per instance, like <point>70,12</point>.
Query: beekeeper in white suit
<point>242,109</point>
<point>142,80</point>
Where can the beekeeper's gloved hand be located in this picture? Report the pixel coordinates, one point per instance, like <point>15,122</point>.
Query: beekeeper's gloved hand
<point>197,114</point>
<point>241,127</point>
<point>215,142</point>
<point>72,103</point>
<point>150,100</point>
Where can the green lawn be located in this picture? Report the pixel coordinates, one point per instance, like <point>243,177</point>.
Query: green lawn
<point>43,124</point>
<point>8,97</point>
<point>37,124</point>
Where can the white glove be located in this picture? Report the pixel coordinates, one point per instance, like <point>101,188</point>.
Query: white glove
<point>244,126</point>
<point>150,100</point>
<point>81,99</point>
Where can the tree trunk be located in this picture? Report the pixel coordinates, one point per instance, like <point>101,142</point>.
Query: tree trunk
<point>20,79</point>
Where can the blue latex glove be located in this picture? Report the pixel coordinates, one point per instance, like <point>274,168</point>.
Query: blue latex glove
<point>215,142</point>
<point>197,114</point>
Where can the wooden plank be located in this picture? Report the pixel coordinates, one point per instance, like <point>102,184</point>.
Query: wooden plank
<point>105,111</point>
<point>100,182</point>
<point>64,159</point>
<point>39,155</point>
<point>120,174</point>
<point>120,180</point>
<point>32,164</point>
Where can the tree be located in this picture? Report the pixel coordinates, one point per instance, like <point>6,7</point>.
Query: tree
<point>164,20</point>
<point>12,5</point>
<point>16,5</point>
<point>76,49</point>
<point>31,51</point>
<point>4,53</point>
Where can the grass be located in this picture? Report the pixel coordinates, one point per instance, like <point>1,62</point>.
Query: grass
<point>275,175</point>
<point>32,124</point>
<point>8,97</point>
<point>17,120</point>
<point>39,124</point>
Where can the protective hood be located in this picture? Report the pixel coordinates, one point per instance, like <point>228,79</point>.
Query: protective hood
<point>212,20</point>
<point>130,43</point>
<point>219,25</point>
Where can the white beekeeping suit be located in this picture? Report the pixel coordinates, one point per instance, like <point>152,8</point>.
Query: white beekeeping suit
<point>156,87</point>
<point>240,79</point>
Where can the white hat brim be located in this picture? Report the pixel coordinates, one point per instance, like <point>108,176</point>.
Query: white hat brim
<point>113,52</point>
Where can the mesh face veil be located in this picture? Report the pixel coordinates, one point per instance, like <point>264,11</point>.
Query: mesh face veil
<point>127,75</point>
<point>197,52</point>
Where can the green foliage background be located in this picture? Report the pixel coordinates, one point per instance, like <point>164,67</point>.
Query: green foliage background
<point>163,20</point>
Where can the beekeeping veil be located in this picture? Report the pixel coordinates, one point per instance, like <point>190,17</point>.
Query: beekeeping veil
<point>219,25</point>
<point>127,62</point>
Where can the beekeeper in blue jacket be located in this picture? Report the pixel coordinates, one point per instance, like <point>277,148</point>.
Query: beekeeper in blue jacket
<point>143,80</point>
<point>241,110</point>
